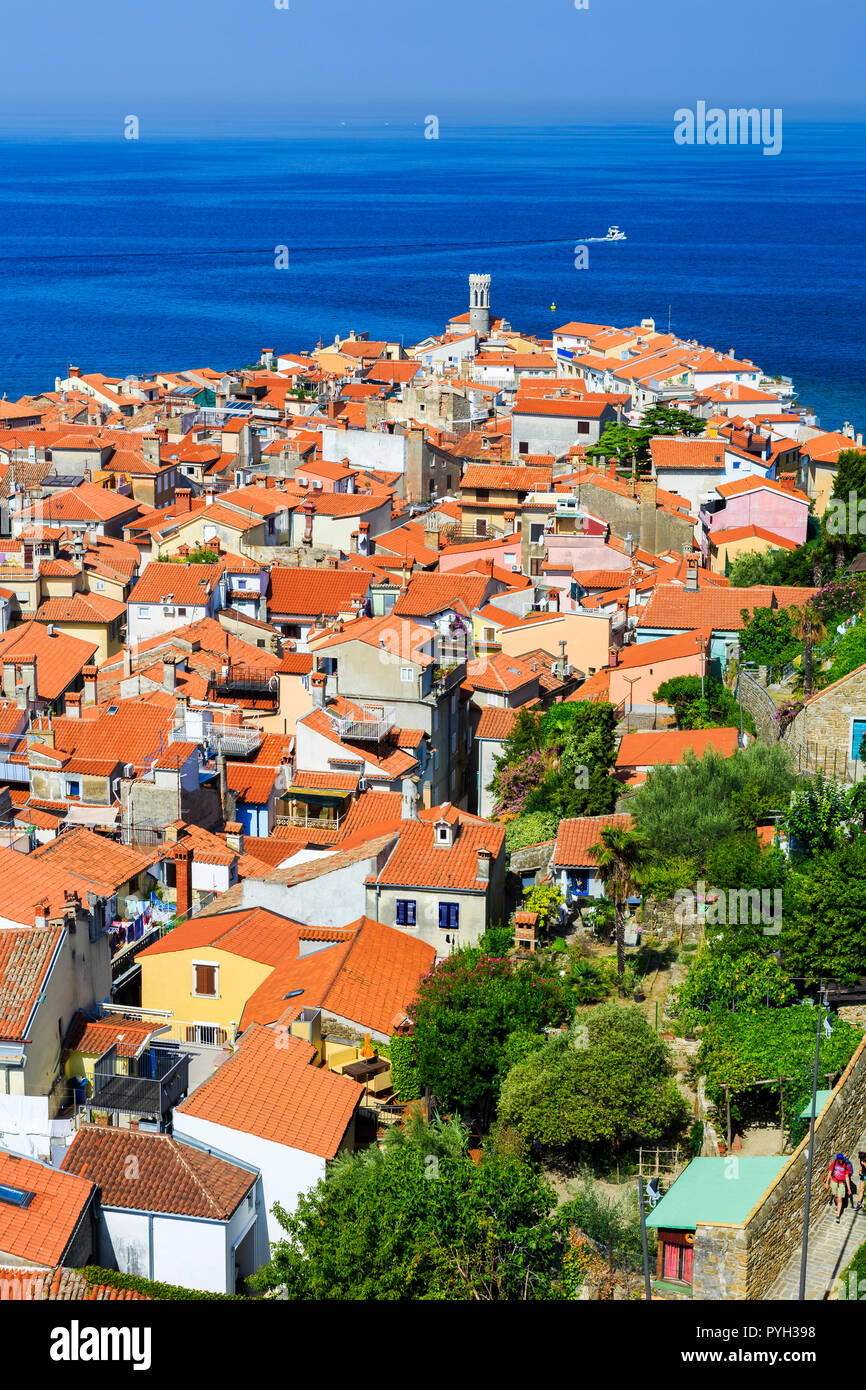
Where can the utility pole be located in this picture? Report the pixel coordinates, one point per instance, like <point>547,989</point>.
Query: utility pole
<point>811,1160</point>
<point>646,1269</point>
<point>630,681</point>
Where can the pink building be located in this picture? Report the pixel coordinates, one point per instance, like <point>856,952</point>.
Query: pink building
<point>759,502</point>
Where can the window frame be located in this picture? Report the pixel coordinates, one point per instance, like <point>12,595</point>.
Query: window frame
<point>205,965</point>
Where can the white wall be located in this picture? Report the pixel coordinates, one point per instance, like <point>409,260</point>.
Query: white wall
<point>285,1172</point>
<point>365,449</point>
<point>180,1250</point>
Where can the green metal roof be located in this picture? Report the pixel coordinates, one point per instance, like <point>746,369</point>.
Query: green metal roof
<point>821,1098</point>
<point>715,1189</point>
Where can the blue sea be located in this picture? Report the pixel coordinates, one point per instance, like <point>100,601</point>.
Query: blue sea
<point>131,255</point>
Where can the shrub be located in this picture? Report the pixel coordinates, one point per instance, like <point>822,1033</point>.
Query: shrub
<point>152,1288</point>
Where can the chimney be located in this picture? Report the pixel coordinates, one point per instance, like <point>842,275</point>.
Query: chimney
<point>317,689</point>
<point>169,674</point>
<point>174,831</point>
<point>40,915</point>
<point>127,661</point>
<point>692,585</point>
<point>150,449</point>
<point>183,499</point>
<point>182,857</point>
<point>73,705</point>
<point>89,674</point>
<point>235,836</point>
<point>484,858</point>
<point>409,807</point>
<point>74,371</point>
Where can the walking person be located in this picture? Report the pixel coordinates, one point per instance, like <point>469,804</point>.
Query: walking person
<point>862,1179</point>
<point>838,1182</point>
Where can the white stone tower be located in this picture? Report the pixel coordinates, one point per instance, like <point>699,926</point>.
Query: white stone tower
<point>479,304</point>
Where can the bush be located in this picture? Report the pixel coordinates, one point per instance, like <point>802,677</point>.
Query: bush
<point>152,1288</point>
<point>404,1068</point>
<point>531,829</point>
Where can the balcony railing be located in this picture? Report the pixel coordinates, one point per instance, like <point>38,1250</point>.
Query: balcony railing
<point>373,725</point>
<point>244,680</point>
<point>150,1085</point>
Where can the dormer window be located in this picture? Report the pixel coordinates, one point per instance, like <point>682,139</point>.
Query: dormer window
<point>444,834</point>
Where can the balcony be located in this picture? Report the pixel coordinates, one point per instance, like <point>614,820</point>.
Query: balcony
<point>242,680</point>
<point>146,1087</point>
<point>373,725</point>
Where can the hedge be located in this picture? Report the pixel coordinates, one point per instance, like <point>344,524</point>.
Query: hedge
<point>94,1275</point>
<point>404,1068</point>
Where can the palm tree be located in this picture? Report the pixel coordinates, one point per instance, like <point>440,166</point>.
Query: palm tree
<point>808,628</point>
<point>621,857</point>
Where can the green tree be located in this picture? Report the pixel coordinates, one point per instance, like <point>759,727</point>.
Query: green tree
<point>821,815</point>
<point>615,1087</point>
<point>741,1049</point>
<point>689,809</point>
<point>531,828</point>
<point>824,927</point>
<point>613,1222</point>
<point>715,708</point>
<point>466,1008</point>
<point>718,982</point>
<point>631,444</point>
<point>418,1219</point>
<point>621,857</point>
<point>768,638</point>
<point>546,900</point>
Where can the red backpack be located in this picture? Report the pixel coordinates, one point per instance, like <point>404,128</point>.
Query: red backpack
<point>840,1171</point>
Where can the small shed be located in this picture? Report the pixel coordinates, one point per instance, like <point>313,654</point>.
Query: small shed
<point>713,1190</point>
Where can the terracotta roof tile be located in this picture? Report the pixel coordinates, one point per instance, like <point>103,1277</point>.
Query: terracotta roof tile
<point>650,748</point>
<point>309,592</point>
<point>26,956</point>
<point>578,834</point>
<point>272,1089</point>
<point>171,1176</point>
<point>40,1232</point>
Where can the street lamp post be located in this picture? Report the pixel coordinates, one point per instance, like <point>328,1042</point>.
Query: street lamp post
<point>811,1160</point>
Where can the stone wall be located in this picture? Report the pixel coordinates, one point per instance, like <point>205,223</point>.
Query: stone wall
<point>825,723</point>
<point>743,1262</point>
<point>760,706</point>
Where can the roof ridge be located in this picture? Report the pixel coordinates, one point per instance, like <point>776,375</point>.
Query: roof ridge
<point>211,1200</point>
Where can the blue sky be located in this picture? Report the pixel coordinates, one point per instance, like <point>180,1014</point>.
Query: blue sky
<point>180,64</point>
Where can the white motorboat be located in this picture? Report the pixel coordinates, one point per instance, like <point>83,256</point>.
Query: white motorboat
<point>614,234</point>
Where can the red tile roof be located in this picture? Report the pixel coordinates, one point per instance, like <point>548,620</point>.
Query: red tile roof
<point>59,658</point>
<point>18,1283</point>
<point>94,1036</point>
<point>673,606</point>
<point>431,594</point>
<point>41,1232</point>
<point>419,862</point>
<point>26,956</point>
<point>506,478</point>
<point>678,452</point>
<point>170,1176</point>
<point>163,582</point>
<point>272,1088</point>
<point>577,835</point>
<point>309,592</point>
<point>495,723</point>
<point>650,748</point>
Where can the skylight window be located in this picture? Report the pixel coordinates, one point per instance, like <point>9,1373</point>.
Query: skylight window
<point>15,1196</point>
<point>112,709</point>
